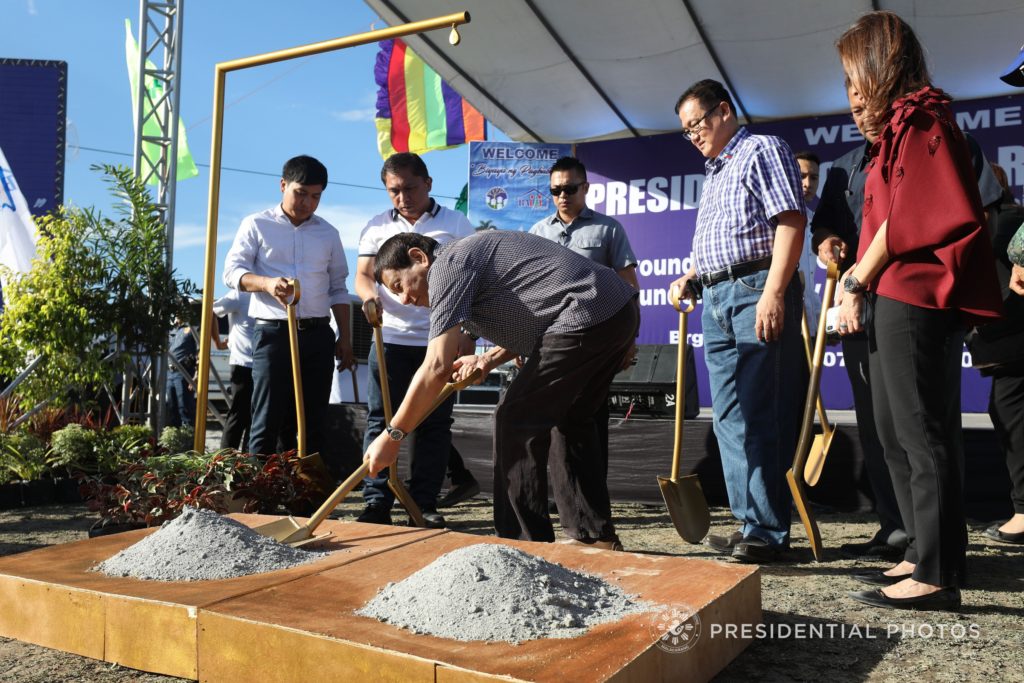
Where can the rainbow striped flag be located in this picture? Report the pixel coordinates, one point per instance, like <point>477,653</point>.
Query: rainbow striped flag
<point>416,110</point>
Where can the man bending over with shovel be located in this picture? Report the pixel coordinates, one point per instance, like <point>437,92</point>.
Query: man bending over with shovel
<point>574,319</point>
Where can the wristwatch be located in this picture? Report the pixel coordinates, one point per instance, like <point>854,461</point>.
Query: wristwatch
<point>395,434</point>
<point>852,285</point>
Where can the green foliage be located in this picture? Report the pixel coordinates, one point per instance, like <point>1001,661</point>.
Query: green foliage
<point>157,485</point>
<point>177,439</point>
<point>121,445</point>
<point>24,455</point>
<point>74,444</point>
<point>97,285</point>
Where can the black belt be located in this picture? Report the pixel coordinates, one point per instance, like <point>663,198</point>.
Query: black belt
<point>304,323</point>
<point>736,270</point>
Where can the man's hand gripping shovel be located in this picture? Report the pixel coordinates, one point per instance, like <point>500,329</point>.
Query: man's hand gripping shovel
<point>684,496</point>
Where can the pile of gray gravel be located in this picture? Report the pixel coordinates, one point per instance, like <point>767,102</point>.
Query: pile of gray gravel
<point>200,545</point>
<point>498,593</point>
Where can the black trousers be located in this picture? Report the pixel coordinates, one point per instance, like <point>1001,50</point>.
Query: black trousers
<point>1006,408</point>
<point>855,354</point>
<point>239,417</point>
<point>273,394</point>
<point>914,353</point>
<point>546,420</point>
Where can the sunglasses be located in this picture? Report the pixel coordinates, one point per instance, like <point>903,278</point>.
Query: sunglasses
<point>569,190</point>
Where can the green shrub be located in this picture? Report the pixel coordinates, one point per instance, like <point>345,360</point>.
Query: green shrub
<point>25,456</point>
<point>74,445</point>
<point>122,444</point>
<point>177,439</point>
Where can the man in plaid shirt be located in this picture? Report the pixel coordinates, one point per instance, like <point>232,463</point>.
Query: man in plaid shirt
<point>746,248</point>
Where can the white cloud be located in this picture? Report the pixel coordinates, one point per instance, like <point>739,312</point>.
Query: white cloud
<point>194,235</point>
<point>355,115</point>
<point>349,219</point>
<point>32,7</point>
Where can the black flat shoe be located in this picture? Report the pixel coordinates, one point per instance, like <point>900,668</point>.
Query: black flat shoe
<point>880,578</point>
<point>945,599</point>
<point>995,534</point>
<point>872,548</point>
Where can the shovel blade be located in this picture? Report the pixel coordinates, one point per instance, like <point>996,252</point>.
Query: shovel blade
<point>816,458</point>
<point>803,508</point>
<point>687,506</point>
<point>285,530</point>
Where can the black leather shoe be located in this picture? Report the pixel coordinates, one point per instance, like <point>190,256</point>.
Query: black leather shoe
<point>880,578</point>
<point>946,599</point>
<point>872,548</point>
<point>995,534</point>
<point>459,493</point>
<point>432,519</point>
<point>375,514</point>
<point>755,551</point>
<point>723,544</point>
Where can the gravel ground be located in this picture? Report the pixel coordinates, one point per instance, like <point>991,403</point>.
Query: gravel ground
<point>892,645</point>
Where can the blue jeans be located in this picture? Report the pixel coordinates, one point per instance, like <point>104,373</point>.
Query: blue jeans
<point>756,397</point>
<point>431,441</point>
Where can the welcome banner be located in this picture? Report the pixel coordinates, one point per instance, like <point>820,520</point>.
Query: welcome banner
<point>508,183</point>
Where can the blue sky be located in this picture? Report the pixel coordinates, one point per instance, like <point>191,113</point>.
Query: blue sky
<point>322,105</point>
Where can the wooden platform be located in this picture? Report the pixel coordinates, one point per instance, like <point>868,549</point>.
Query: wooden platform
<point>298,624</point>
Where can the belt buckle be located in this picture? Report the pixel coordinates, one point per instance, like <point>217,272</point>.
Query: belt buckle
<point>302,324</point>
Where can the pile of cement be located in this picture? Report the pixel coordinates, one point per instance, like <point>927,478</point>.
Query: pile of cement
<point>200,545</point>
<point>497,593</point>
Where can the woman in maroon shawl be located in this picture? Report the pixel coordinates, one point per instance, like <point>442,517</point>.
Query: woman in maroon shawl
<point>925,262</point>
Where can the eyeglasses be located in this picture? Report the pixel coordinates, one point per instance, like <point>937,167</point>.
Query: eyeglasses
<point>569,190</point>
<point>688,133</point>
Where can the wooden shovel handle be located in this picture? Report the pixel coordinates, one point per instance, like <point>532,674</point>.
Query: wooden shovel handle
<point>353,479</point>
<point>293,347</point>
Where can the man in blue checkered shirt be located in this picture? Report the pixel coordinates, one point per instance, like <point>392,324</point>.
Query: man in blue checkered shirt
<point>746,248</point>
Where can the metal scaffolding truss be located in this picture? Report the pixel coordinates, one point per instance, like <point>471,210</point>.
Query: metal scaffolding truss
<point>156,162</point>
<point>156,103</point>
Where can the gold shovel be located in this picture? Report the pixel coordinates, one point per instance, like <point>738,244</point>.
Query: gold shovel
<point>289,530</point>
<point>796,475</point>
<point>684,496</point>
<point>394,483</point>
<point>822,442</point>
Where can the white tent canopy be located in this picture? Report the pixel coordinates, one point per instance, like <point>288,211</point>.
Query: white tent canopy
<point>577,70</point>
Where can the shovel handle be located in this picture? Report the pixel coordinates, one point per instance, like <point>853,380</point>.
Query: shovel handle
<point>677,445</point>
<point>374,318</point>
<point>293,347</point>
<point>353,479</point>
<point>675,294</point>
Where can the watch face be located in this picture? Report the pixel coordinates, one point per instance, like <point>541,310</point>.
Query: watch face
<point>396,434</point>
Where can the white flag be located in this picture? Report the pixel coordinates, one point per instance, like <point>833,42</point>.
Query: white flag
<point>17,229</point>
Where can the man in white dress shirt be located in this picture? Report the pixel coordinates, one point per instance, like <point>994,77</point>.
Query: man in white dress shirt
<point>235,305</point>
<point>272,247</point>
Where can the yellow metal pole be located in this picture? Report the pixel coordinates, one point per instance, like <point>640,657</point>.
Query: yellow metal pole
<point>220,72</point>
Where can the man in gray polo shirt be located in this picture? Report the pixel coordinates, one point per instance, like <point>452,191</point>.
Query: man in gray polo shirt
<point>600,238</point>
<point>575,321</point>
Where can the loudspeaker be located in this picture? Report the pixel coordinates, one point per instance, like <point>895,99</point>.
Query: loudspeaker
<point>650,384</point>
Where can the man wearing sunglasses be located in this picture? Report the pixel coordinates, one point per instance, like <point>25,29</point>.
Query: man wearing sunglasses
<point>600,238</point>
<point>749,234</point>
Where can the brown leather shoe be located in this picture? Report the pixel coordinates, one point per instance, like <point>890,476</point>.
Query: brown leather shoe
<point>723,544</point>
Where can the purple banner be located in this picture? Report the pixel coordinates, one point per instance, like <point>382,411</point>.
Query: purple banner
<point>652,185</point>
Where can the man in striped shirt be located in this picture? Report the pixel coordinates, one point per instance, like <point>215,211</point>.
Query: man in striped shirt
<point>746,249</point>
<point>573,318</point>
